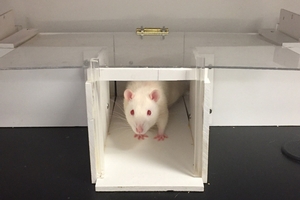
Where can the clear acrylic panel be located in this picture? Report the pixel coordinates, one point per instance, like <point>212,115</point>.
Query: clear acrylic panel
<point>177,50</point>
<point>56,50</point>
<point>131,50</point>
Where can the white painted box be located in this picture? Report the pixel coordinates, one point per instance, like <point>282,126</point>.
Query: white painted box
<point>120,162</point>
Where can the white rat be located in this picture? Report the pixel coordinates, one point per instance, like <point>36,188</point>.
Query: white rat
<point>146,104</point>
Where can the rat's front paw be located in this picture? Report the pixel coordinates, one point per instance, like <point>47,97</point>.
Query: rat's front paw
<point>160,137</point>
<point>140,136</point>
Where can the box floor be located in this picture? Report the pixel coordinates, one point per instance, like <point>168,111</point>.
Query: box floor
<point>149,165</point>
<point>53,163</point>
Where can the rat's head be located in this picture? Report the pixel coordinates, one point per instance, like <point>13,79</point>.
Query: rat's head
<point>141,109</point>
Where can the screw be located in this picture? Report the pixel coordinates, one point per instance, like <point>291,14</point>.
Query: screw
<point>86,62</point>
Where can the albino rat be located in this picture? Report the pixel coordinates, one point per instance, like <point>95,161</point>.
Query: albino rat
<point>146,104</point>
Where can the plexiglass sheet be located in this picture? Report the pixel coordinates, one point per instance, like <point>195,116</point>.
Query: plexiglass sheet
<point>56,50</point>
<point>229,50</point>
<point>131,50</point>
<point>251,57</point>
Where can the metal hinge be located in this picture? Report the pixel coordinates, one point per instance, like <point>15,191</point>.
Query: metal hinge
<point>152,32</point>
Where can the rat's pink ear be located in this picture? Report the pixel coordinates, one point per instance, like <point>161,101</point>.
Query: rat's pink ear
<point>128,94</point>
<point>154,95</point>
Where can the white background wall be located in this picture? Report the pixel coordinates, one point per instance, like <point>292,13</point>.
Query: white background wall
<point>240,97</point>
<point>126,15</point>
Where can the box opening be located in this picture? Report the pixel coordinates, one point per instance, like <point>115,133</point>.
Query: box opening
<point>120,162</point>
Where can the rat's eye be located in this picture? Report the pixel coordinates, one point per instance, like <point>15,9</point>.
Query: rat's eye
<point>149,112</point>
<point>132,112</point>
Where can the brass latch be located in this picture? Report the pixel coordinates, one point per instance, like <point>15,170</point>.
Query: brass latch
<point>152,32</point>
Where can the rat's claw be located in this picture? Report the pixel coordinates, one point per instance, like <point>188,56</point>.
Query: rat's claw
<point>160,137</point>
<point>140,136</point>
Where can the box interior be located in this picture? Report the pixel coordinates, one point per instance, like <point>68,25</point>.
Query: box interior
<point>132,164</point>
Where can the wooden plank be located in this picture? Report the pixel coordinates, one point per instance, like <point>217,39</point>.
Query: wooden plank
<point>207,120</point>
<point>98,115</point>
<point>145,74</point>
<point>91,130</point>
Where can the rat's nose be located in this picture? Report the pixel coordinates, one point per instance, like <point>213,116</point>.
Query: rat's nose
<point>139,129</point>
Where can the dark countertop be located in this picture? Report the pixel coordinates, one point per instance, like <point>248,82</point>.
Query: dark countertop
<point>53,163</point>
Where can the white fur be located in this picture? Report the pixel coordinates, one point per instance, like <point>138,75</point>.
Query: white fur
<point>141,102</point>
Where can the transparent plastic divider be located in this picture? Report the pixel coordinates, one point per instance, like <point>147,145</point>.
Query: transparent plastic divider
<point>56,51</point>
<point>252,57</point>
<point>232,51</point>
<point>200,104</point>
<point>131,50</point>
<point>98,106</point>
<point>26,58</point>
<point>226,57</point>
